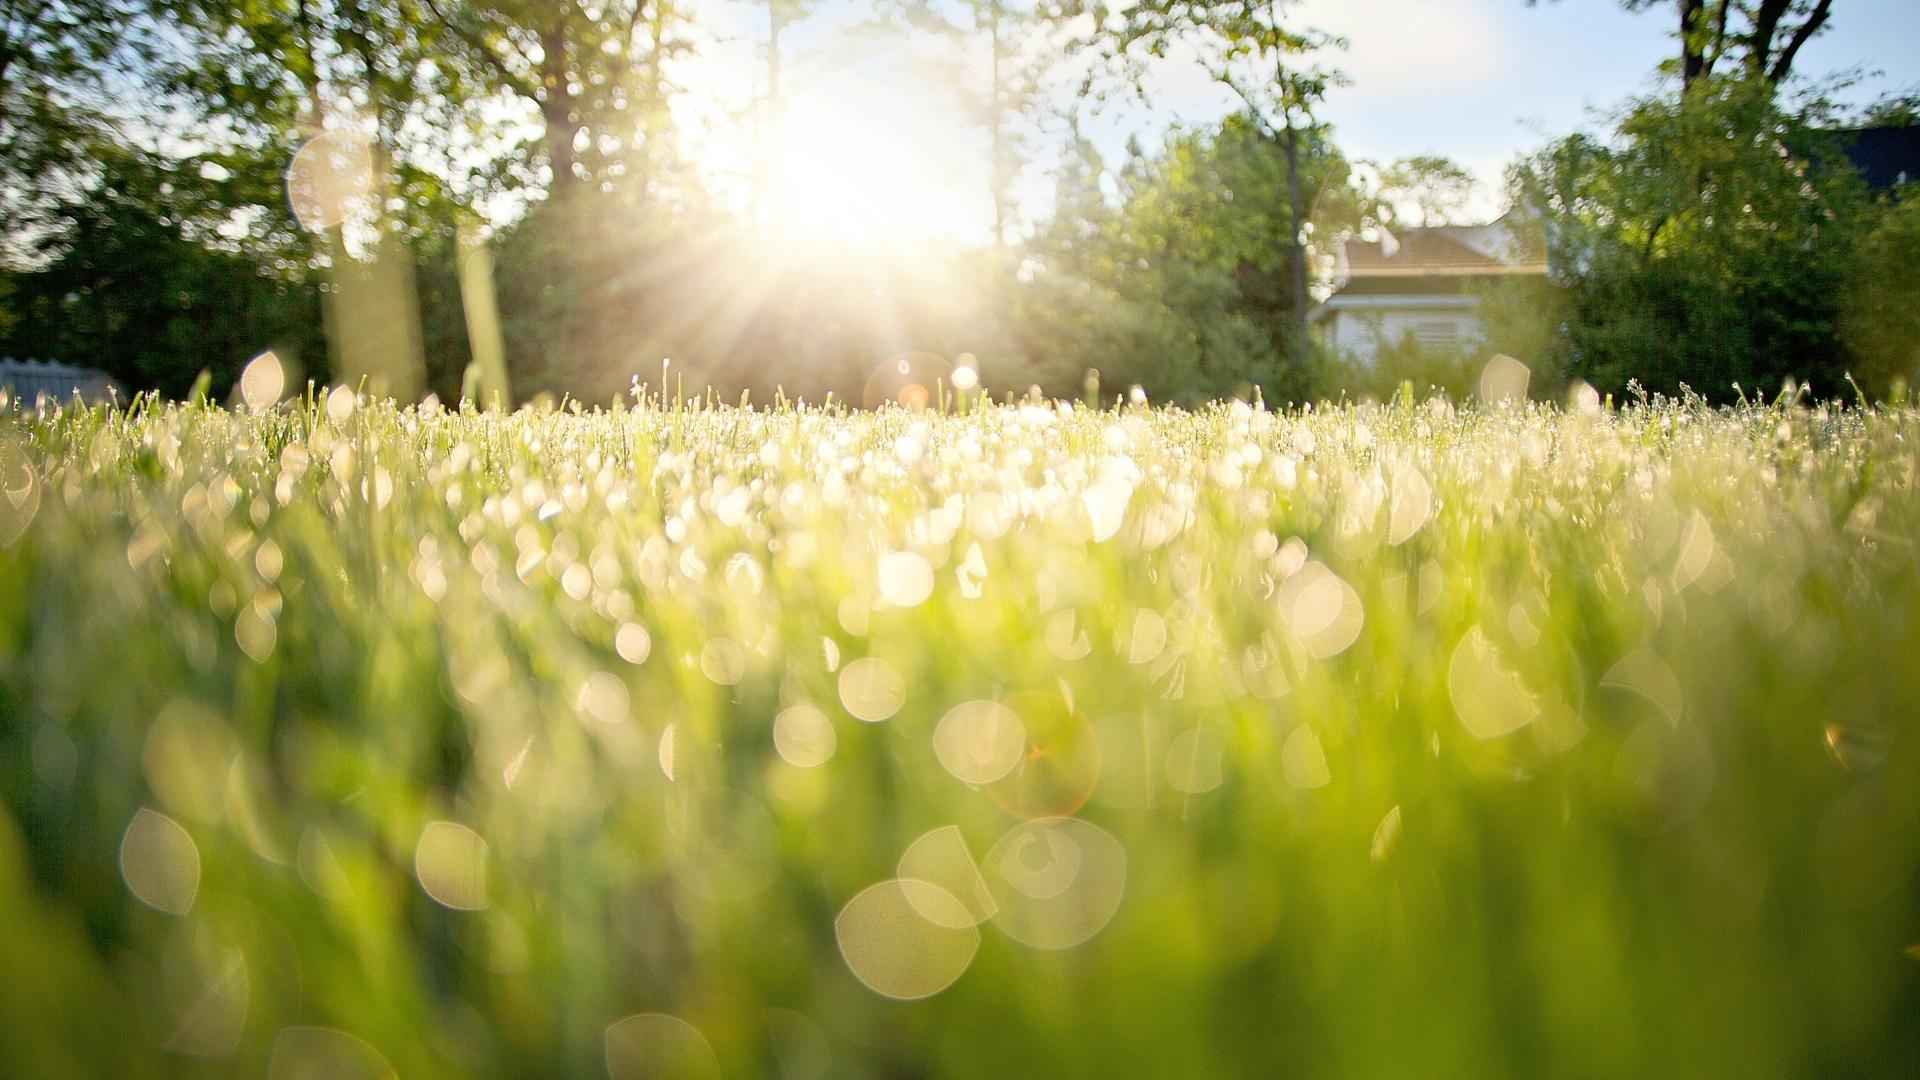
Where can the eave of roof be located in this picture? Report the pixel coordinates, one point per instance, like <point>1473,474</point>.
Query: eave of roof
<point>1431,270</point>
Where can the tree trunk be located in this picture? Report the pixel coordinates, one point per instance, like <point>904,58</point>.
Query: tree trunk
<point>998,180</point>
<point>1693,58</point>
<point>1784,65</point>
<point>656,104</point>
<point>1766,24</point>
<point>556,108</point>
<point>763,168</point>
<point>1296,217</point>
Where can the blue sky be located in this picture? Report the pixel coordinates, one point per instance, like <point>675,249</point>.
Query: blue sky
<point>1480,81</point>
<point>880,142</point>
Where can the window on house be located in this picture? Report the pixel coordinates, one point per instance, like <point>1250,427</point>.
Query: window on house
<point>1437,333</point>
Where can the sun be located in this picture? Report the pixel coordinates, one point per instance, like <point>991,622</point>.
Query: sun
<point>865,163</point>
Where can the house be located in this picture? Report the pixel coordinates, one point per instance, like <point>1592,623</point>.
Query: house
<point>1885,157</point>
<point>1422,282</point>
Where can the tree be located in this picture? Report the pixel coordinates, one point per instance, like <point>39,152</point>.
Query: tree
<point>1706,245</point>
<point>770,109</point>
<point>1248,47</point>
<point>1184,286</point>
<point>351,100</point>
<point>1016,55</point>
<point>1422,190</point>
<point>1762,37</point>
<point>126,286</point>
<point>596,74</point>
<point>56,57</point>
<point>1879,321</point>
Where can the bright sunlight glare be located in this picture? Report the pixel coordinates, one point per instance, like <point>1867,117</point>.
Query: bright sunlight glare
<point>874,161</point>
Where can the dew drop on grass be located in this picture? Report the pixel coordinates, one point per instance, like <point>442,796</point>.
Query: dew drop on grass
<point>340,405</point>
<point>263,381</point>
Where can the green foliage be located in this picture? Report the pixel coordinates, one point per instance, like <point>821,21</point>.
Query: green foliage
<point>1708,245</point>
<point>1691,250</point>
<point>1422,370</point>
<point>1397,739</point>
<point>58,64</point>
<point>1879,318</point>
<point>127,287</point>
<point>1423,190</point>
<point>1182,286</point>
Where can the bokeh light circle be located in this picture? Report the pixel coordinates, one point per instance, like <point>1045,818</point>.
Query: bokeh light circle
<point>1058,881</point>
<point>657,1046</point>
<point>896,951</point>
<point>871,689</point>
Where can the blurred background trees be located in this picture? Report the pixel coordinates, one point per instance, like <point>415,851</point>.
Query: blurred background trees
<point>175,200</point>
<point>1708,243</point>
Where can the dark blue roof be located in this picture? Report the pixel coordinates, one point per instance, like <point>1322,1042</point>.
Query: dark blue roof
<point>1885,156</point>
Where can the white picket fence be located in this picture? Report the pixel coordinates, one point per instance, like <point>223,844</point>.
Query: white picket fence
<point>27,380</point>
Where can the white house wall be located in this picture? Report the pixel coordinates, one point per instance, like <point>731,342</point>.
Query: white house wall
<point>1360,325</point>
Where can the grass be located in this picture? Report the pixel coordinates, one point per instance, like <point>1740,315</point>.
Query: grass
<point>1013,740</point>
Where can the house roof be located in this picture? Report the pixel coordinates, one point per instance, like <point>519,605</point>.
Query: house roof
<point>1447,253</point>
<point>1884,156</point>
<point>1432,261</point>
<point>1418,251</point>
